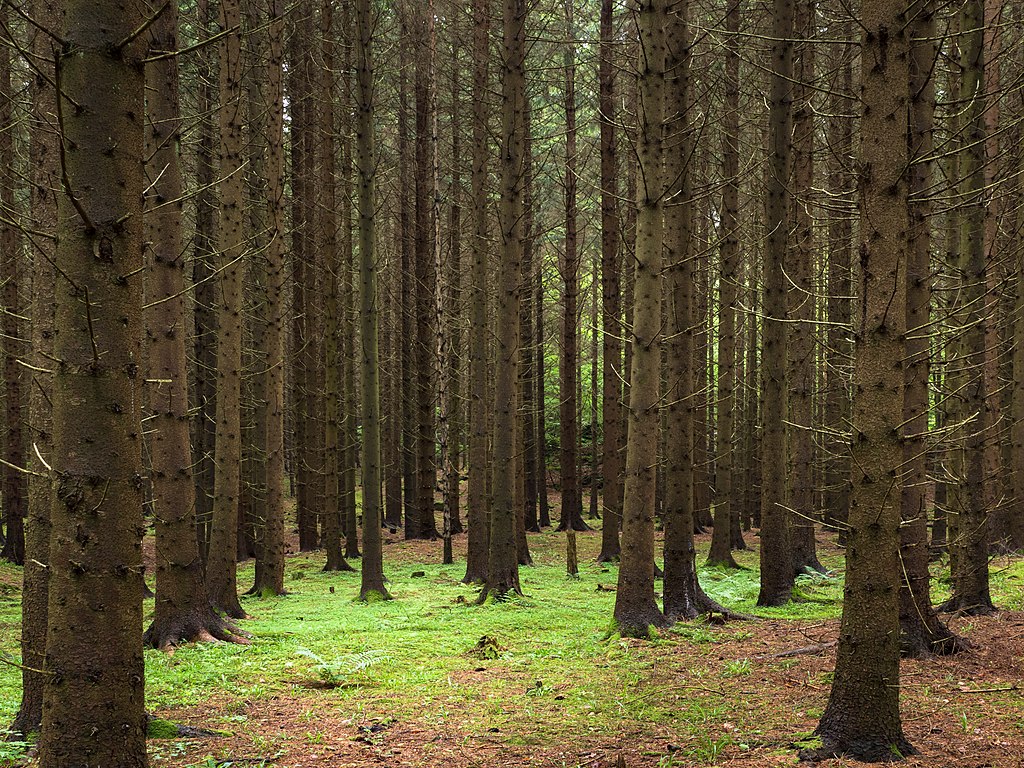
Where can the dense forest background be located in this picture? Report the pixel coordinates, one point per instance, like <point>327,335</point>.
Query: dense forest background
<point>321,277</point>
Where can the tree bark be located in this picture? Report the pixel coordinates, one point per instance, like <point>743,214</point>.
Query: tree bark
<point>776,548</point>
<point>862,718</point>
<point>635,607</point>
<point>503,562</point>
<point>221,566</point>
<point>93,710</point>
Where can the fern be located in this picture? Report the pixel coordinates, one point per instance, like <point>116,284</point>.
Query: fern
<point>338,670</point>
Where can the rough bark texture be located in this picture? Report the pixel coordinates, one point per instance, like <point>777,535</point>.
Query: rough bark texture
<point>44,159</point>
<point>729,255</point>
<point>479,524</point>
<point>372,585</point>
<point>684,598</point>
<point>204,395</point>
<point>921,630</point>
<point>503,565</point>
<point>182,611</point>
<point>862,718</point>
<point>635,607</point>
<point>334,352</point>
<point>837,362</point>
<point>776,548</point>
<point>801,381</point>
<point>425,524</point>
<point>611,301</point>
<point>14,490</point>
<point>568,359</point>
<point>221,565</point>
<point>970,564</point>
<point>93,711</point>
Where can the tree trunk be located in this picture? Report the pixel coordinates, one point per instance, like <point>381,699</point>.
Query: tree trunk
<point>14,491</point>
<point>611,300</point>
<point>372,584</point>
<point>862,718</point>
<point>503,565</point>
<point>800,383</point>
<point>93,708</point>
<point>726,507</point>
<point>635,607</point>
<point>776,548</point>
<point>568,359</point>
<point>182,612</point>
<point>43,160</point>
<point>477,546</point>
<point>221,565</point>
<point>334,345</point>
<point>970,567</point>
<point>921,630</point>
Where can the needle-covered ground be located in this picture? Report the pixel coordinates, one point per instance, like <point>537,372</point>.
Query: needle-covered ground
<point>431,679</point>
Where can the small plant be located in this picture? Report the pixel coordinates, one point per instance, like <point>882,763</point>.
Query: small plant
<point>736,668</point>
<point>11,752</point>
<point>341,669</point>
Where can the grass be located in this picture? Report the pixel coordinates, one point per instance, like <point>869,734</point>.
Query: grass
<point>532,668</point>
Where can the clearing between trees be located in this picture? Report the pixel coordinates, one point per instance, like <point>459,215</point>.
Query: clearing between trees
<point>430,679</point>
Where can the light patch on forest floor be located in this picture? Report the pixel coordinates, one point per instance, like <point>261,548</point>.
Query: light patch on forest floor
<point>412,685</point>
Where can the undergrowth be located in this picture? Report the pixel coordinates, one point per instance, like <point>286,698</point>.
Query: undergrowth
<point>534,667</point>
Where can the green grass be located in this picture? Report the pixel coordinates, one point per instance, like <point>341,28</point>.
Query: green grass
<point>548,665</point>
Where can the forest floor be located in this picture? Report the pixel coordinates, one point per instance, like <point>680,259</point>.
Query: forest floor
<point>430,679</point>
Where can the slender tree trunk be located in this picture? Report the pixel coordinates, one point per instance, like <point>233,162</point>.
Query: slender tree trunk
<point>539,368</point>
<point>478,521</point>
<point>334,346</point>
<point>611,299</point>
<point>568,359</point>
<point>684,598</point>
<point>43,160</point>
<point>776,548</point>
<point>635,607</point>
<point>527,341</point>
<point>14,491</point>
<point>800,383</point>
<point>205,338</point>
<point>729,255</point>
<point>921,630</point>
<point>840,288</point>
<point>221,565</point>
<point>372,585</point>
<point>862,718</point>
<point>182,612</point>
<point>93,711</point>
<point>425,525</point>
<point>970,567</point>
<point>503,564</point>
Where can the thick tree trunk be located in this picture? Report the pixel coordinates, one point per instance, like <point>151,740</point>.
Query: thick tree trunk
<point>862,718</point>
<point>93,711</point>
